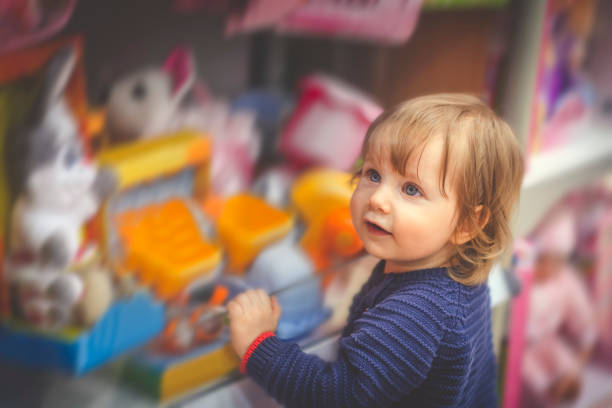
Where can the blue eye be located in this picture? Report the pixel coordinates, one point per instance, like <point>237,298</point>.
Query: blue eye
<point>411,190</point>
<point>72,156</point>
<point>373,176</point>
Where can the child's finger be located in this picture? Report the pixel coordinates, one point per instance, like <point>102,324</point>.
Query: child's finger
<point>276,308</point>
<point>263,298</point>
<point>253,298</point>
<point>234,308</point>
<point>244,300</point>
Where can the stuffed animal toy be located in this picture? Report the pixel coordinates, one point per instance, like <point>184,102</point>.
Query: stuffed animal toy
<point>144,103</point>
<point>55,190</point>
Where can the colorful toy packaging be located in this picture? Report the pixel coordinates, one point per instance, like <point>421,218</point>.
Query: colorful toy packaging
<point>328,125</point>
<point>390,21</point>
<point>563,93</point>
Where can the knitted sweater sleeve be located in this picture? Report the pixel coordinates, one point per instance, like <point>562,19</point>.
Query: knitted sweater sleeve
<point>388,354</point>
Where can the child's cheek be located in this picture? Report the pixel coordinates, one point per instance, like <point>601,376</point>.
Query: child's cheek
<point>352,206</point>
<point>356,209</point>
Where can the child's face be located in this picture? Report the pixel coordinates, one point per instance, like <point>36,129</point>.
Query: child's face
<point>405,219</point>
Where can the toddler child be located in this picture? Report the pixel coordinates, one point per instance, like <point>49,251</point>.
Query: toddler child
<point>433,200</point>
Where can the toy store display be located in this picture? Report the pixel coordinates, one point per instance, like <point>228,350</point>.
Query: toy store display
<point>265,249</point>
<point>154,101</point>
<point>559,322</point>
<point>147,235</point>
<point>59,302</point>
<point>282,236</point>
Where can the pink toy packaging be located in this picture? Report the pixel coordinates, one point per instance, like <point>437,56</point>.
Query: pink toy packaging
<point>562,95</point>
<point>561,328</point>
<point>260,14</point>
<point>328,125</point>
<point>602,286</point>
<point>390,21</point>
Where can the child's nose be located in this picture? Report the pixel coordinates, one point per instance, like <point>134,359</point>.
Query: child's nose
<point>380,201</point>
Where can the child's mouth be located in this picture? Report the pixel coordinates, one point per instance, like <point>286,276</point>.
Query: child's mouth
<point>375,229</point>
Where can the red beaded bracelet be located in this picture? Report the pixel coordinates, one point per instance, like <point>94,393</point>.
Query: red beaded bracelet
<point>252,348</point>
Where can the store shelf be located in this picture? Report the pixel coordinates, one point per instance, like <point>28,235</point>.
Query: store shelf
<point>553,173</point>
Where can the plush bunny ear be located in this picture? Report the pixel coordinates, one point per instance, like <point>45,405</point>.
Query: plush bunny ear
<point>180,66</point>
<point>55,78</point>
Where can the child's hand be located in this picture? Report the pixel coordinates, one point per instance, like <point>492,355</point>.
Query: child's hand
<point>251,313</point>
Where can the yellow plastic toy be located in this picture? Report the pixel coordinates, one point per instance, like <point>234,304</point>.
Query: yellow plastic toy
<point>247,225</point>
<point>316,192</point>
<point>163,245</point>
<point>168,379</point>
<point>145,161</point>
<point>322,198</point>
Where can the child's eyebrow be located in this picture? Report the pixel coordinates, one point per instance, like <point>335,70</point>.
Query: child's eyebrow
<point>414,176</point>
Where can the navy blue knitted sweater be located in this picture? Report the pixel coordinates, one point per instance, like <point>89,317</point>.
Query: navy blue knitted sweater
<point>414,339</point>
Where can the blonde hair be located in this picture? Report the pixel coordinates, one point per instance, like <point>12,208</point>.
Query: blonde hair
<point>487,169</point>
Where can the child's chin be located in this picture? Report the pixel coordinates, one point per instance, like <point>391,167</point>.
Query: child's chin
<point>376,250</point>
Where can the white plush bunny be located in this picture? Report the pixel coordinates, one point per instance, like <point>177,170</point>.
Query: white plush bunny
<point>144,104</point>
<point>55,191</point>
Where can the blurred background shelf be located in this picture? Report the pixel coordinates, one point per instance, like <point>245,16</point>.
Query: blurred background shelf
<point>551,174</point>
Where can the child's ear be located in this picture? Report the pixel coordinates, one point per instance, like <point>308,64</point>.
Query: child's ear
<point>466,232</point>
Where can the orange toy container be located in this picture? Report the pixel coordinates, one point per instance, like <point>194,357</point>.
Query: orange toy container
<point>165,247</point>
<point>247,225</point>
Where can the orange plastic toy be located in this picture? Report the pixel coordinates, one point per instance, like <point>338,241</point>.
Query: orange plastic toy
<point>247,225</point>
<point>165,247</point>
<point>317,192</point>
<point>332,236</point>
<point>189,327</point>
<point>322,198</point>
